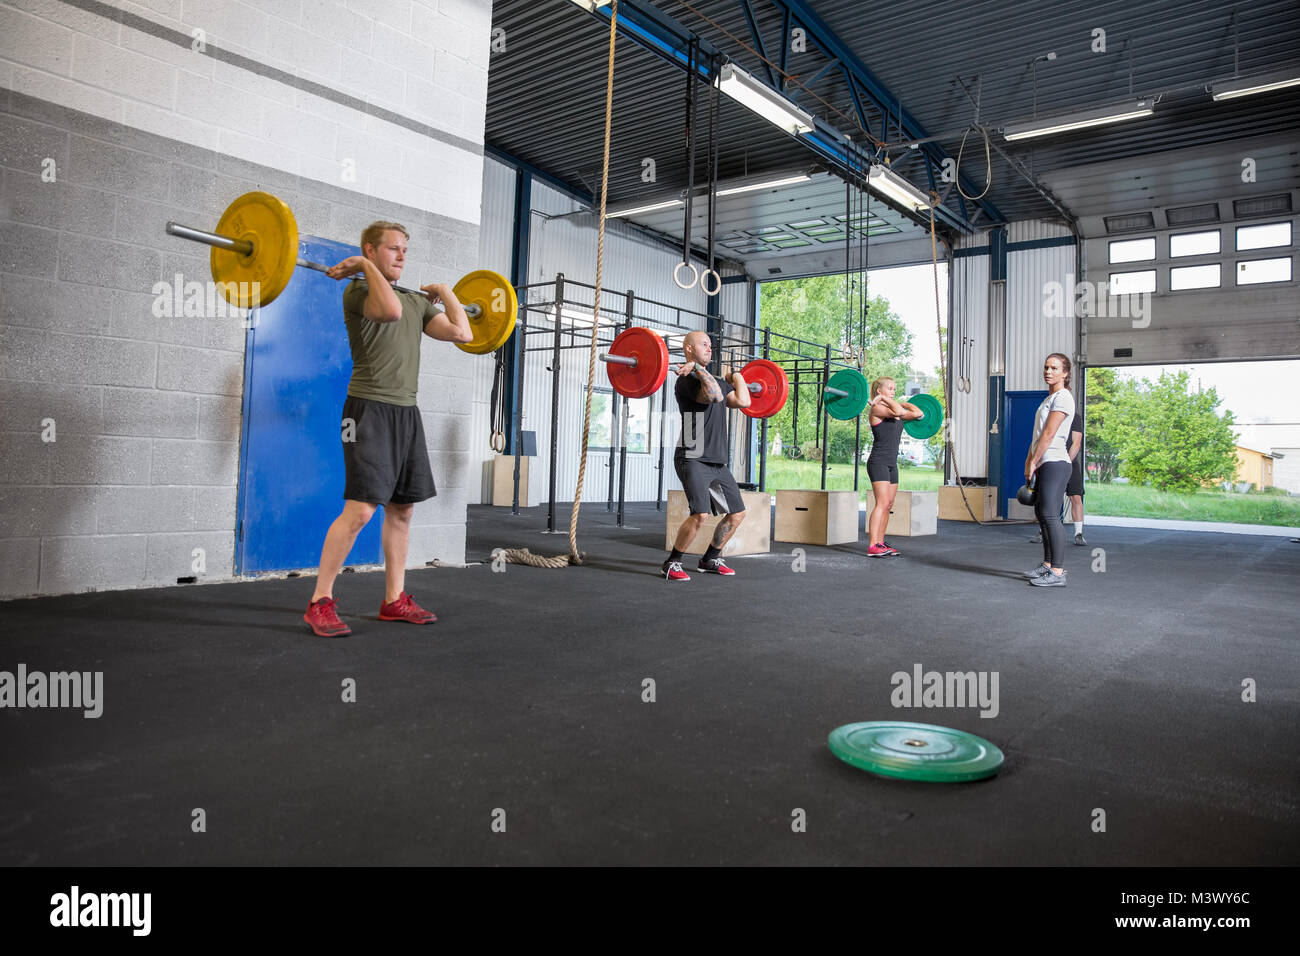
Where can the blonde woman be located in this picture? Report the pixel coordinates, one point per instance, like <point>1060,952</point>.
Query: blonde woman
<point>886,418</point>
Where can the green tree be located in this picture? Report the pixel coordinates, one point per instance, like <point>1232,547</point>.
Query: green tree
<point>816,310</point>
<point>1102,450</point>
<point>1171,436</point>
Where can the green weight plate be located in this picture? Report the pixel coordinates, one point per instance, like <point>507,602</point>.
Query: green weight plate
<point>925,427</point>
<point>895,748</point>
<point>845,407</point>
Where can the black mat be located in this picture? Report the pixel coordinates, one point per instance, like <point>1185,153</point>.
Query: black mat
<point>1121,693</point>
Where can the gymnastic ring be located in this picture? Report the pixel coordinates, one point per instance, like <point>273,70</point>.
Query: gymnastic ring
<point>717,288</point>
<point>497,442</point>
<point>695,275</point>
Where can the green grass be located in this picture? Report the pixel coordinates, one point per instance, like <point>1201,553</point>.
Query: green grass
<point>1127,501</point>
<point>782,474</point>
<point>1139,501</point>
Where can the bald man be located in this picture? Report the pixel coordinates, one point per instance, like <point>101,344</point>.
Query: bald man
<point>701,456</point>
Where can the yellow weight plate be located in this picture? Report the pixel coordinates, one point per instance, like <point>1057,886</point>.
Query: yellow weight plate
<point>257,278</point>
<point>498,308</point>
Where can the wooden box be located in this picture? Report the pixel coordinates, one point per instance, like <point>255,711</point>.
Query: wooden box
<point>914,513</point>
<point>499,481</point>
<point>753,537</point>
<point>983,501</point>
<point>817,517</point>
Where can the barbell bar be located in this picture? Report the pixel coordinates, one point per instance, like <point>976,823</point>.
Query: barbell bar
<point>254,265</point>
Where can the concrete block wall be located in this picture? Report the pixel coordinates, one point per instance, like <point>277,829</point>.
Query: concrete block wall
<point>112,122</point>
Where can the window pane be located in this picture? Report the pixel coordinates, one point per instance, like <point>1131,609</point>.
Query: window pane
<point>1264,270</point>
<point>1129,283</point>
<point>1263,237</point>
<point>1132,250</point>
<point>1194,277</point>
<point>1194,244</point>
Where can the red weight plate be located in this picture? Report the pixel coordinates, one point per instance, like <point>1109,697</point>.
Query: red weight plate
<point>651,354</point>
<point>776,388</point>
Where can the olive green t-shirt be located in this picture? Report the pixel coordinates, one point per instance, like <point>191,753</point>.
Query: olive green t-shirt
<point>385,355</point>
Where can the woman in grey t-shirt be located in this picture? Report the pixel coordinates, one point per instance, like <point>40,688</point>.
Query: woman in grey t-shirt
<point>1049,460</point>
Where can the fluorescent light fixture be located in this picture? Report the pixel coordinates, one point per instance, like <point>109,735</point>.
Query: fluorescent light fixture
<point>651,207</point>
<point>1081,119</point>
<point>589,5</point>
<point>1249,85</point>
<point>763,100</point>
<point>890,185</point>
<point>767,184</point>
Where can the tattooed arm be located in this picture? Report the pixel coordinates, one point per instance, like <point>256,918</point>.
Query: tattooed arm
<point>710,391</point>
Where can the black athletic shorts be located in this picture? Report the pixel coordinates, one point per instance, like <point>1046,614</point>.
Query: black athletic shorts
<point>710,489</point>
<point>388,459</point>
<point>1075,485</point>
<point>882,471</point>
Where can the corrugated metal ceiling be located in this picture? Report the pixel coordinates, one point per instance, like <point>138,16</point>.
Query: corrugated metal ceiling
<point>546,90</point>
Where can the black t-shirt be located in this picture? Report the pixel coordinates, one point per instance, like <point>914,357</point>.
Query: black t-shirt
<point>704,426</point>
<point>1076,426</point>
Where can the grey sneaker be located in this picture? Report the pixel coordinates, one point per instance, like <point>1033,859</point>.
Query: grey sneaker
<point>1078,539</point>
<point>1037,572</point>
<point>1037,539</point>
<point>1049,580</point>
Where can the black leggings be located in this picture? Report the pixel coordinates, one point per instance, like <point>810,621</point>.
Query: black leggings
<point>1053,476</point>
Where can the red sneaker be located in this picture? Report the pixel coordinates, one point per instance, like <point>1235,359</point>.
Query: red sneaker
<point>672,571</point>
<point>405,609</point>
<point>715,566</point>
<point>324,620</point>
<point>892,550</point>
<point>879,551</point>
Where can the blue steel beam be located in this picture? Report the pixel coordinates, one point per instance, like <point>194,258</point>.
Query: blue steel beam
<point>876,91</point>
<point>758,42</point>
<point>664,36</point>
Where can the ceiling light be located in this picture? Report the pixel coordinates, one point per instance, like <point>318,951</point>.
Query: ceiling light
<point>1080,119</point>
<point>763,100</point>
<point>767,184</point>
<point>889,184</point>
<point>635,210</point>
<point>1248,85</point>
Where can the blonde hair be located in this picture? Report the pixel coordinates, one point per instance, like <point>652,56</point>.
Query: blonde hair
<point>373,234</point>
<point>878,383</point>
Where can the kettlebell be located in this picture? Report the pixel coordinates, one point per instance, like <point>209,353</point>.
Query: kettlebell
<point>1027,495</point>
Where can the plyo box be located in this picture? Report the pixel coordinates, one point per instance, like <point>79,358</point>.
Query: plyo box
<point>753,537</point>
<point>499,481</point>
<point>983,501</point>
<point>914,513</point>
<point>817,517</point>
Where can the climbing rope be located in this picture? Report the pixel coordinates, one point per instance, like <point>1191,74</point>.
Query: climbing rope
<point>523,555</point>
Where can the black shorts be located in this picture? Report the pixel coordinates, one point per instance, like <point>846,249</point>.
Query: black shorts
<point>388,459</point>
<point>881,470</point>
<point>710,489</point>
<point>1075,486</point>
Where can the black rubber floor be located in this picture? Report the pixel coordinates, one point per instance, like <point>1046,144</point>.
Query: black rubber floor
<point>1120,701</point>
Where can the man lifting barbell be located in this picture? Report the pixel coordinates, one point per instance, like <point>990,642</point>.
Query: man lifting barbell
<point>701,456</point>
<point>385,457</point>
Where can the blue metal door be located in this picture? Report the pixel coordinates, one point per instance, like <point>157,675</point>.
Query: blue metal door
<point>1019,432</point>
<point>296,370</point>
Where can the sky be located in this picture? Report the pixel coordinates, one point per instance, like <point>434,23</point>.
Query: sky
<point>910,291</point>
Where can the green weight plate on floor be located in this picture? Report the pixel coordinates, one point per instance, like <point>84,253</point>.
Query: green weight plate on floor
<point>896,748</point>
<point>845,407</point>
<point>925,427</point>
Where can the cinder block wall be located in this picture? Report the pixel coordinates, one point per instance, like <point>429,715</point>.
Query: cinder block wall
<point>118,117</point>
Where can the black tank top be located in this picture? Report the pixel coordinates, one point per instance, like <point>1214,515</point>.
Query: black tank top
<point>884,439</point>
